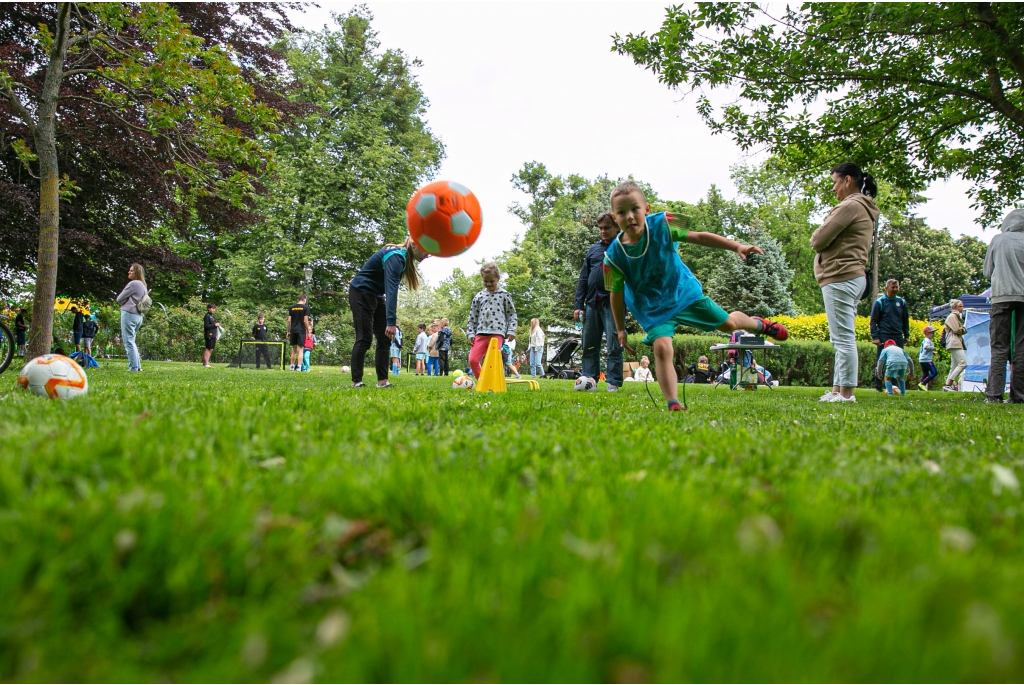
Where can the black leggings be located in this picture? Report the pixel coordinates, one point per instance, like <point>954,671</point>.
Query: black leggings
<point>262,351</point>
<point>369,317</point>
<point>442,356</point>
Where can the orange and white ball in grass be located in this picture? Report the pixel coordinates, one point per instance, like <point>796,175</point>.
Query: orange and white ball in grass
<point>54,376</point>
<point>444,218</point>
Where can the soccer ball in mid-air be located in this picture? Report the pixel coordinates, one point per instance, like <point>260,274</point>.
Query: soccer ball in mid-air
<point>54,376</point>
<point>585,384</point>
<point>444,218</point>
<point>345,369</point>
<point>463,382</point>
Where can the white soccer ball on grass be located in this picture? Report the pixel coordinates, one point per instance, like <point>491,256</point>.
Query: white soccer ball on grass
<point>585,384</point>
<point>463,382</point>
<point>346,369</point>
<point>54,376</point>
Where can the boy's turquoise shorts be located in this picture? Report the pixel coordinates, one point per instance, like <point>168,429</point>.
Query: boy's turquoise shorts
<point>896,371</point>
<point>703,314</point>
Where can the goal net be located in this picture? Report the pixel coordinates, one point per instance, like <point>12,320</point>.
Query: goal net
<point>259,354</point>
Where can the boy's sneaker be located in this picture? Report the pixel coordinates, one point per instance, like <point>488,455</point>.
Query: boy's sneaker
<point>947,388</point>
<point>840,398</point>
<point>612,388</point>
<point>923,387</point>
<point>830,397</point>
<point>386,385</point>
<point>674,405</point>
<point>772,329</point>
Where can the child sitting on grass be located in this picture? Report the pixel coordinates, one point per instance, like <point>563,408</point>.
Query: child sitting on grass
<point>892,366</point>
<point>643,271</point>
<point>491,315</point>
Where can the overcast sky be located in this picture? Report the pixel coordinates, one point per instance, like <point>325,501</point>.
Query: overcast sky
<point>510,83</point>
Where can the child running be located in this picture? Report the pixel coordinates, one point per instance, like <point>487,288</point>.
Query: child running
<point>643,271</point>
<point>491,315</point>
<point>926,358</point>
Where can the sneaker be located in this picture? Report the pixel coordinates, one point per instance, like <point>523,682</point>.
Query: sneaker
<point>207,366</point>
<point>675,406</point>
<point>773,330</point>
<point>922,386</point>
<point>829,397</point>
<point>386,385</point>
<point>360,384</point>
<point>840,398</point>
<point>993,400</point>
<point>612,388</point>
<point>947,388</point>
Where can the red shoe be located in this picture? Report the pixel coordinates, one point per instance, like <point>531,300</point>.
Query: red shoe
<point>675,406</point>
<point>772,329</point>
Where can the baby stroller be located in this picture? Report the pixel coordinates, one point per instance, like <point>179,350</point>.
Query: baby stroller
<point>560,366</point>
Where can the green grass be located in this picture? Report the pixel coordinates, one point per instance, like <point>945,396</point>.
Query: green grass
<point>204,525</point>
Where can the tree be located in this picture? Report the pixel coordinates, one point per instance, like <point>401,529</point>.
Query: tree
<point>344,170</point>
<point>181,99</point>
<point>911,91</point>
<point>931,267</point>
<point>758,286</point>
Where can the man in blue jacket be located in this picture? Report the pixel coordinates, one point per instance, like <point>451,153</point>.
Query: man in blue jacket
<point>890,320</point>
<point>597,315</point>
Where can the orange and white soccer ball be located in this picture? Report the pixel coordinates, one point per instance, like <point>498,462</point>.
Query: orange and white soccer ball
<point>54,376</point>
<point>444,218</point>
<point>463,382</point>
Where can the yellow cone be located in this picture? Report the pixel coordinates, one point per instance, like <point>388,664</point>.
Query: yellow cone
<point>492,375</point>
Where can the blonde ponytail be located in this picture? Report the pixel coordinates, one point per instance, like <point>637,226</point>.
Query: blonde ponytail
<point>410,273</point>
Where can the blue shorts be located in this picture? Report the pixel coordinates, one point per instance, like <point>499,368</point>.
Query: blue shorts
<point>896,371</point>
<point>703,314</point>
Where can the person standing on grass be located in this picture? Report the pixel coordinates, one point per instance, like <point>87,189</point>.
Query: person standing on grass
<point>643,271</point>
<point>926,358</point>
<point>76,327</point>
<point>259,333</point>
<point>21,330</point>
<point>433,360</point>
<point>131,319</point>
<point>1004,264</point>
<point>298,326</point>
<point>373,297</point>
<point>444,345</point>
<point>396,350</point>
<point>843,247</point>
<point>593,308</point>
<point>307,348</point>
<point>491,315</point>
<point>419,348</point>
<point>536,351</point>
<point>89,330</point>
<point>210,327</point>
<point>953,337</point>
<point>890,320</point>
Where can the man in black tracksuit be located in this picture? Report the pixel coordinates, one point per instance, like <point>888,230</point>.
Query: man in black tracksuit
<point>259,332</point>
<point>890,320</point>
<point>597,317</point>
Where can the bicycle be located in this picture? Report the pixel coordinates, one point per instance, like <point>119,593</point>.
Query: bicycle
<point>6,347</point>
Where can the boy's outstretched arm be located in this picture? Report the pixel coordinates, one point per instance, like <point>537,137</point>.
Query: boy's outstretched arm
<point>721,242</point>
<point>618,302</point>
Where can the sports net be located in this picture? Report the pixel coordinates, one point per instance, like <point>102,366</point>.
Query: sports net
<point>257,354</point>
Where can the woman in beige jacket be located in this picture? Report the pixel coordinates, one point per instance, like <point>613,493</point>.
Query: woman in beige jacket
<point>843,244</point>
<point>955,344</point>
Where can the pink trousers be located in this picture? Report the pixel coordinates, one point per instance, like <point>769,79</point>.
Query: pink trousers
<point>479,351</point>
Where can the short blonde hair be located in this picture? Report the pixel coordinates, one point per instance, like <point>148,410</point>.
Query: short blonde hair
<point>953,304</point>
<point>490,269</point>
<point>626,188</point>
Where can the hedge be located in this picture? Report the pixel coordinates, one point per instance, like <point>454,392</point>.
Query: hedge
<point>795,362</point>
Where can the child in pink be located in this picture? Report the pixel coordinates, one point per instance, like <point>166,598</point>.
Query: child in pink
<point>492,315</point>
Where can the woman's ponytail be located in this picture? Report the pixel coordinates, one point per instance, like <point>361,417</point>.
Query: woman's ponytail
<point>865,182</point>
<point>870,187</point>
<point>411,275</point>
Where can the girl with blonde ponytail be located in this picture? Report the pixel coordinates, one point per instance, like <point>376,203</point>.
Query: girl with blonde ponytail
<point>373,297</point>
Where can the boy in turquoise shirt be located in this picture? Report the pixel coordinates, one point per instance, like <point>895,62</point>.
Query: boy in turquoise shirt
<point>892,366</point>
<point>643,271</point>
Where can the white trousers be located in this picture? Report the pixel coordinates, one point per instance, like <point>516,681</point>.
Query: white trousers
<point>841,309</point>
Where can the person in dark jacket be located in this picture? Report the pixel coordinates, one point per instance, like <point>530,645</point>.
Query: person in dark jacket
<point>594,307</point>
<point>89,330</point>
<point>373,297</point>
<point>890,320</point>
<point>21,330</point>
<point>259,333</point>
<point>209,333</point>
<point>76,328</point>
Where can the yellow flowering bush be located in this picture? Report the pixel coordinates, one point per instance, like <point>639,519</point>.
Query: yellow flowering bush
<point>815,327</point>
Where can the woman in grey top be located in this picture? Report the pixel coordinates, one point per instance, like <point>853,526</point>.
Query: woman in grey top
<point>131,319</point>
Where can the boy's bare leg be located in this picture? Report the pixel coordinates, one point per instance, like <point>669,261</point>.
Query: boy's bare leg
<point>738,320</point>
<point>667,378</point>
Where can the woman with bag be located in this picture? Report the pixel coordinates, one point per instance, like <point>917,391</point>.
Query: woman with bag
<point>843,247</point>
<point>135,302</point>
<point>536,351</point>
<point>953,340</point>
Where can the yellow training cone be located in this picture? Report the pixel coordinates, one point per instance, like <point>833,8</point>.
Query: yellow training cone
<point>492,375</point>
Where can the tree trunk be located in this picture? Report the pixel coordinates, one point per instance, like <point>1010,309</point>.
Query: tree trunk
<point>45,139</point>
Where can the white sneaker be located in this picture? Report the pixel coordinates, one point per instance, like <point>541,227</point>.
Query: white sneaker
<point>947,388</point>
<point>612,388</point>
<point>829,397</point>
<point>840,398</point>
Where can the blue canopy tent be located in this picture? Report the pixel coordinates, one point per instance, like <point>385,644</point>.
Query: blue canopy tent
<point>979,353</point>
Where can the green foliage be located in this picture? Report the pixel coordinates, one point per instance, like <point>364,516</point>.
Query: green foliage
<point>759,285</point>
<point>911,91</point>
<point>346,167</point>
<point>196,525</point>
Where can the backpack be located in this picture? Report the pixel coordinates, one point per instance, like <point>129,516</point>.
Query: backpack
<point>942,337</point>
<point>145,304</point>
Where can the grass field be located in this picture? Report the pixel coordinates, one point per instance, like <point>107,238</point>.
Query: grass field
<point>203,525</point>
